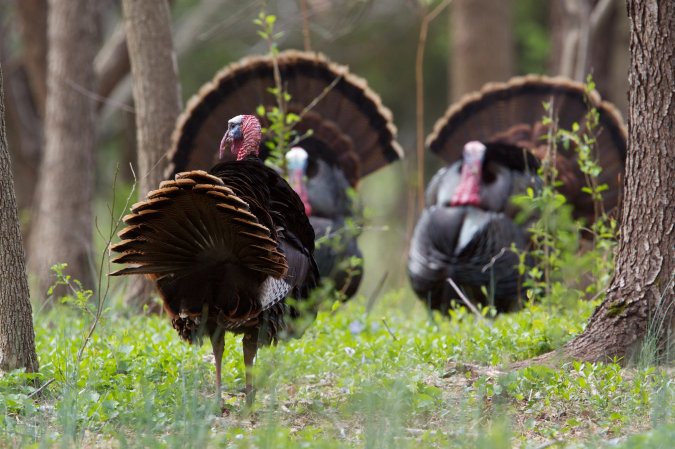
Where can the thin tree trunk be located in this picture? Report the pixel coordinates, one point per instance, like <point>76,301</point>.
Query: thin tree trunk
<point>156,96</point>
<point>62,230</point>
<point>33,25</point>
<point>582,36</point>
<point>482,43</point>
<point>24,121</point>
<point>112,63</point>
<point>17,338</point>
<point>638,311</point>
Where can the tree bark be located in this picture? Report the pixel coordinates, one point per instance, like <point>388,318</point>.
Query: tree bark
<point>62,229</point>
<point>157,98</point>
<point>482,44</point>
<point>638,311</point>
<point>17,338</point>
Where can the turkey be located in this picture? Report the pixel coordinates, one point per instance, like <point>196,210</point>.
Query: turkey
<point>352,135</point>
<point>494,140</point>
<point>225,249</point>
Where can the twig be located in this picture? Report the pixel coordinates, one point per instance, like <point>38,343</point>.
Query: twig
<point>468,303</point>
<point>386,326</point>
<point>493,260</point>
<point>39,390</point>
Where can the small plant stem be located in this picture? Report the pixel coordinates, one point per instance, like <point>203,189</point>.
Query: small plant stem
<point>320,97</point>
<point>386,326</point>
<point>39,390</point>
<point>419,96</point>
<point>468,303</point>
<point>305,25</point>
<point>103,296</point>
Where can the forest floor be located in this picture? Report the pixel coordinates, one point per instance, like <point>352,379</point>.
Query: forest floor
<point>393,377</point>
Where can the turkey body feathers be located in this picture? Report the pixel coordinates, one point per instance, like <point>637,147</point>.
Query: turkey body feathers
<point>270,196</point>
<point>455,242</point>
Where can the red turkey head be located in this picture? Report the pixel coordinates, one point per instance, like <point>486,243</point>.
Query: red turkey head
<point>468,190</point>
<point>297,166</point>
<point>243,135</point>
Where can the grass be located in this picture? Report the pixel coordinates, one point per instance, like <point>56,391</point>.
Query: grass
<point>394,378</point>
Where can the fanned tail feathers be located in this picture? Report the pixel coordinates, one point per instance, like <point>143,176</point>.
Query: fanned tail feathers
<point>513,112</point>
<point>345,115</point>
<point>195,220</point>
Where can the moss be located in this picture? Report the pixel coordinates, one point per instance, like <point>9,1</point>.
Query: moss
<point>616,309</point>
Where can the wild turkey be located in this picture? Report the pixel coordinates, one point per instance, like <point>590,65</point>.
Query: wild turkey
<point>466,230</point>
<point>352,135</point>
<point>327,205</point>
<point>225,248</point>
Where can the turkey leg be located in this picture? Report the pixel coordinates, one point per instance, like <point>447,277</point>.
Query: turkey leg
<point>250,344</point>
<point>218,345</point>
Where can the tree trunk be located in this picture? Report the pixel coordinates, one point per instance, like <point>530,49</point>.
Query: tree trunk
<point>582,36</point>
<point>17,339</point>
<point>482,43</point>
<point>62,229</point>
<point>33,20</point>
<point>157,98</point>
<point>638,311</point>
<point>112,63</point>
<point>24,121</point>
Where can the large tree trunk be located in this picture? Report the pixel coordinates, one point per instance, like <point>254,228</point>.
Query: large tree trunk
<point>62,229</point>
<point>17,339</point>
<point>639,305</point>
<point>482,44</point>
<point>156,96</point>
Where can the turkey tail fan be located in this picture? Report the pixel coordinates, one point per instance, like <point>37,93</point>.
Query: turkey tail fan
<point>194,221</point>
<point>512,112</point>
<point>346,116</point>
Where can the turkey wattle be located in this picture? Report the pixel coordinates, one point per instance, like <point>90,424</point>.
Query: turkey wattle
<point>352,135</point>
<point>466,229</point>
<point>225,248</point>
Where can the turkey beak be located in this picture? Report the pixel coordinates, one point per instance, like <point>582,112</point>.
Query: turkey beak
<point>232,134</point>
<point>223,144</point>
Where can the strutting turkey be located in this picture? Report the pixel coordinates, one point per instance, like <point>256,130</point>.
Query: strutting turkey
<point>466,229</point>
<point>225,248</point>
<point>352,135</point>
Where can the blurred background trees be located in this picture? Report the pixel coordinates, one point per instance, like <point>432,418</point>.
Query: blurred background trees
<point>376,38</point>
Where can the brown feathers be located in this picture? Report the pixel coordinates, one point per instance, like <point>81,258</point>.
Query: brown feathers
<point>512,113</point>
<point>345,115</point>
<point>195,219</point>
